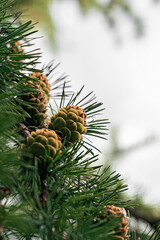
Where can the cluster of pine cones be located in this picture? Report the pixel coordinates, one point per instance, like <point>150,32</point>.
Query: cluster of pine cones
<point>63,129</point>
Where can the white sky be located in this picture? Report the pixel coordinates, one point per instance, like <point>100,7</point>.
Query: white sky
<point>125,77</point>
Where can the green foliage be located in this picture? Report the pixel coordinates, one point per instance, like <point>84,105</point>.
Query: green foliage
<point>12,78</point>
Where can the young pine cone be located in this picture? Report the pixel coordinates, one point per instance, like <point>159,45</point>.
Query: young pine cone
<point>43,82</point>
<point>69,123</point>
<point>122,229</point>
<point>44,142</point>
<point>38,99</point>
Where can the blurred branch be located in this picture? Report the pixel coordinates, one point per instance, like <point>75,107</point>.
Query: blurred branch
<point>139,214</point>
<point>143,211</point>
<point>39,10</point>
<point>109,10</point>
<point>116,151</point>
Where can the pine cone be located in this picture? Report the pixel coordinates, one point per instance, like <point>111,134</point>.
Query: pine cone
<point>123,225</point>
<point>42,142</point>
<point>43,82</point>
<point>38,99</point>
<point>69,123</point>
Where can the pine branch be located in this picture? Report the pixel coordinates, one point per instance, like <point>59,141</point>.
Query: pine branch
<point>57,190</point>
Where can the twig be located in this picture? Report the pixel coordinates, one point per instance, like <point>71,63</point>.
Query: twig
<point>24,131</point>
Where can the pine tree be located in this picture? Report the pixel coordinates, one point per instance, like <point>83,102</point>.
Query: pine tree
<point>49,186</point>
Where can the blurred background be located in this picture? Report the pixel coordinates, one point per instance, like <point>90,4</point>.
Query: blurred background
<point>113,48</point>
